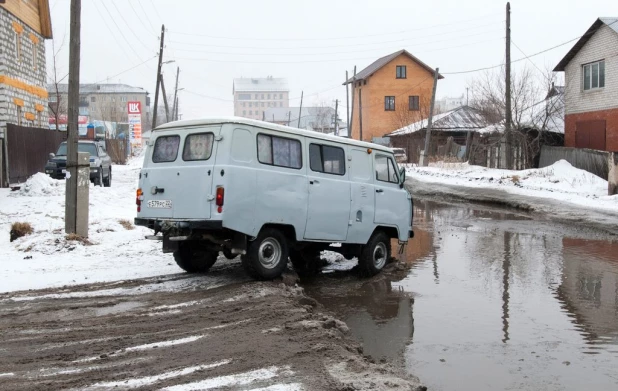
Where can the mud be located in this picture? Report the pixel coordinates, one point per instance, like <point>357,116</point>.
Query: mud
<point>182,332</point>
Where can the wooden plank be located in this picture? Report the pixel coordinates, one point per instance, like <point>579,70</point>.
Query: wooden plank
<point>27,11</point>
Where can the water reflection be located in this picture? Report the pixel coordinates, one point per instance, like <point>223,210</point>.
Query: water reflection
<point>493,300</point>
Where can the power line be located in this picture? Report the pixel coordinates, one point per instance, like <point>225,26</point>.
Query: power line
<point>129,26</point>
<point>112,31</point>
<point>127,70</point>
<point>332,38</point>
<point>140,18</point>
<point>147,17</point>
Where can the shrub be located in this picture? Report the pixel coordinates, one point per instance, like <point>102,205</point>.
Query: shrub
<point>20,229</point>
<point>126,224</point>
<point>515,179</point>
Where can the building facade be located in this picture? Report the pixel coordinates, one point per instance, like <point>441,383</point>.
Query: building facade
<point>99,102</point>
<point>392,92</point>
<point>24,26</point>
<point>591,89</point>
<point>253,96</point>
<point>449,103</point>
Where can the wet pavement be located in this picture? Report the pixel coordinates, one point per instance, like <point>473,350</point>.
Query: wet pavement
<point>493,300</point>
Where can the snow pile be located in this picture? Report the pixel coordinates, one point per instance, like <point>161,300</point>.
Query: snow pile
<point>560,181</point>
<point>41,185</point>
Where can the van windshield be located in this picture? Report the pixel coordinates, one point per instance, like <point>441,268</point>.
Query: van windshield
<point>81,147</point>
<point>398,150</point>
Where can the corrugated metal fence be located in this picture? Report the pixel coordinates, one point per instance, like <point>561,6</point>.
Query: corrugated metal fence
<point>28,150</point>
<point>593,161</point>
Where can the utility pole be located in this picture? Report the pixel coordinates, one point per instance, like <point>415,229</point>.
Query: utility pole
<point>352,111</point>
<point>467,91</point>
<point>156,99</point>
<point>508,115</point>
<point>174,108</point>
<point>300,110</point>
<point>425,154</point>
<point>167,109</point>
<point>347,103</point>
<point>360,113</point>
<point>289,117</point>
<point>336,108</point>
<point>70,210</point>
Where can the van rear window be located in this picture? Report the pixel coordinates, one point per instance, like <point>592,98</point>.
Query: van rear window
<point>166,149</point>
<point>198,146</point>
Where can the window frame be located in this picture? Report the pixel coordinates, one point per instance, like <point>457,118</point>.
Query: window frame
<point>321,146</point>
<point>388,158</point>
<point>155,148</point>
<point>599,77</point>
<point>401,72</point>
<point>184,146</point>
<point>411,107</point>
<point>387,107</point>
<point>272,150</point>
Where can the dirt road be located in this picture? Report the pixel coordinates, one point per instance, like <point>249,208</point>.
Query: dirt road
<point>181,332</point>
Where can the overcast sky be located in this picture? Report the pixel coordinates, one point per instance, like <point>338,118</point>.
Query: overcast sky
<point>311,43</point>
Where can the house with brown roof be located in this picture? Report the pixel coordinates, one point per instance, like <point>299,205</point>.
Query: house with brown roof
<point>392,92</point>
<point>591,91</point>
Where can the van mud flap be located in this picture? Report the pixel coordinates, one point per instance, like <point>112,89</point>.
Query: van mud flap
<point>169,246</point>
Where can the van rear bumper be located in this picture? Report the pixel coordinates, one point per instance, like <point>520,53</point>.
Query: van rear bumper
<point>191,224</point>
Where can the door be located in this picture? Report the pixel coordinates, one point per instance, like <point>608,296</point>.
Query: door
<point>328,207</point>
<point>590,134</point>
<point>363,194</point>
<point>177,175</point>
<point>390,200</point>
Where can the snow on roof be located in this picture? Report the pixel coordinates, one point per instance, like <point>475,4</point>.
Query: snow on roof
<point>260,84</point>
<point>99,89</point>
<point>462,119</point>
<point>267,125</point>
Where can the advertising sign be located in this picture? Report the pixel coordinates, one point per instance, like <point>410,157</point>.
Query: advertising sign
<point>134,110</point>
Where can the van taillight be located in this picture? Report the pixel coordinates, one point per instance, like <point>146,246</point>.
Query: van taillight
<point>139,196</point>
<point>219,199</point>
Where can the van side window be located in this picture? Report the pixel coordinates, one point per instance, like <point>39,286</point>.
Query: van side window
<point>279,151</point>
<point>166,149</point>
<point>198,146</point>
<point>385,170</point>
<point>327,159</point>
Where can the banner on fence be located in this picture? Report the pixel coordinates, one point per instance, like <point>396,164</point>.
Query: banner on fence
<point>135,122</point>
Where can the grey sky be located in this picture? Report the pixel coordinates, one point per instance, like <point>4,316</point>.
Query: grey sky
<point>311,43</point>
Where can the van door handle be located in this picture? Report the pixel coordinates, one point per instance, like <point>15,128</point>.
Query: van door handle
<point>314,181</point>
<point>379,191</point>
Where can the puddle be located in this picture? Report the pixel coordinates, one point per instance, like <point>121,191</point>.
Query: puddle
<point>118,308</point>
<point>493,300</point>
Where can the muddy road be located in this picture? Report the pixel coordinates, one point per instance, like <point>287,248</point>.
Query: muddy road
<point>181,332</point>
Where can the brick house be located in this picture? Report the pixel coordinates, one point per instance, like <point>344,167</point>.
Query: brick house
<point>394,91</point>
<point>591,90</point>
<point>24,26</point>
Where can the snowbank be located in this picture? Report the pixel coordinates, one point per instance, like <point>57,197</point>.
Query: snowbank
<point>559,182</point>
<point>47,259</point>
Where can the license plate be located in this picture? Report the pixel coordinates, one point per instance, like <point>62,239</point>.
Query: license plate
<point>64,171</point>
<point>160,204</point>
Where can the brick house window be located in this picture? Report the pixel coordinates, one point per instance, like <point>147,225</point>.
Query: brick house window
<point>413,103</point>
<point>93,99</point>
<point>123,98</point>
<point>389,103</point>
<point>18,46</point>
<point>250,112</point>
<point>401,72</point>
<point>244,112</point>
<point>280,96</point>
<point>594,75</point>
<point>18,115</point>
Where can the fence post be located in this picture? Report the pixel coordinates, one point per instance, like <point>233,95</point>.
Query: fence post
<point>612,177</point>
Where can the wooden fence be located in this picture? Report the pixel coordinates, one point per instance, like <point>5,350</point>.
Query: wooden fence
<point>593,161</point>
<point>28,150</point>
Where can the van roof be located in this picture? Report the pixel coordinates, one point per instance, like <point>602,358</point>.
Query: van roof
<point>270,126</point>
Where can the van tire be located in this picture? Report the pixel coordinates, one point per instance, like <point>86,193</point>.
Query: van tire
<point>228,254</point>
<point>375,254</point>
<point>192,259</point>
<point>306,262</point>
<point>267,255</point>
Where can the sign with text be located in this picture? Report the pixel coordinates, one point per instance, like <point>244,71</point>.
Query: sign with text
<point>134,111</point>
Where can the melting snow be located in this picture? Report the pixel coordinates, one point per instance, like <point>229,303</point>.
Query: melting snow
<point>240,379</point>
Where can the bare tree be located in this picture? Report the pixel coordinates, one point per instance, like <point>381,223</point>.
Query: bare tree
<point>404,115</point>
<point>323,117</point>
<point>59,107</point>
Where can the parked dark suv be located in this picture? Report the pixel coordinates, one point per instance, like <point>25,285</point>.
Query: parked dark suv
<point>100,162</point>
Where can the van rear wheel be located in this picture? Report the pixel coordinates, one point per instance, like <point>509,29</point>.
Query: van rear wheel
<point>375,254</point>
<point>267,255</point>
<point>193,259</point>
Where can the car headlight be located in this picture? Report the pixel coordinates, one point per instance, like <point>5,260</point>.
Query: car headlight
<point>51,164</point>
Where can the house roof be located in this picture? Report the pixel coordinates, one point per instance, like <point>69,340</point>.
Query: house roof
<point>98,89</point>
<point>607,21</point>
<point>462,119</point>
<point>45,25</point>
<point>260,84</point>
<point>381,62</point>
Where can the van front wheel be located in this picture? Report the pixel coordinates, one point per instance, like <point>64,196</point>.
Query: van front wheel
<point>375,254</point>
<point>192,259</point>
<point>267,255</point>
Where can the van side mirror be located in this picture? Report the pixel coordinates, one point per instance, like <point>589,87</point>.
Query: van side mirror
<point>402,176</point>
<point>52,155</point>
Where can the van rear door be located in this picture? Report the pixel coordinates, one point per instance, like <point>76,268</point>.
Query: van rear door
<point>177,174</point>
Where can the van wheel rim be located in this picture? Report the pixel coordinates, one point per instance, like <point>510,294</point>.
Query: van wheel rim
<point>269,253</point>
<point>379,255</point>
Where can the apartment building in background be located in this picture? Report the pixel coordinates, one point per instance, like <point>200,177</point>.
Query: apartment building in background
<point>253,96</point>
<point>101,102</point>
